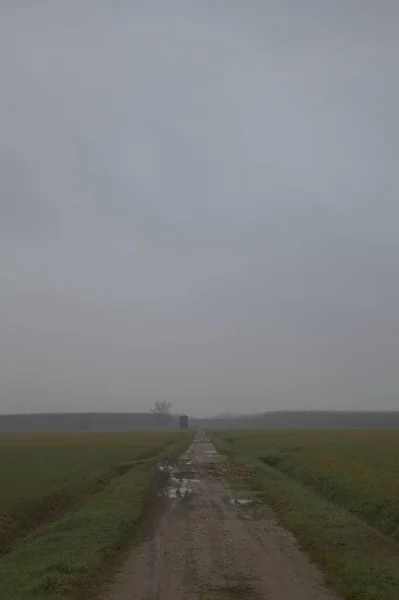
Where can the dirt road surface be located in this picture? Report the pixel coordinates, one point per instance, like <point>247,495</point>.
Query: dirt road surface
<point>209,543</point>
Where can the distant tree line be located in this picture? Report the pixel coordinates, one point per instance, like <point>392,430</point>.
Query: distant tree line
<point>161,416</point>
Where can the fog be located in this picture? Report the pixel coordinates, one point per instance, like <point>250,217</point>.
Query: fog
<point>199,204</point>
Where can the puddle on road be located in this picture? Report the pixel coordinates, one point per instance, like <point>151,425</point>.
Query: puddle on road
<point>165,468</point>
<point>177,491</point>
<point>183,477</point>
<point>241,501</point>
<point>185,486</point>
<point>181,483</point>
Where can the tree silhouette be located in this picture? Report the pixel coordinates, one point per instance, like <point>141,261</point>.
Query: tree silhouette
<point>163,410</point>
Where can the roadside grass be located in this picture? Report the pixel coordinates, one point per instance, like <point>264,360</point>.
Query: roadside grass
<point>70,558</point>
<point>356,469</point>
<point>360,562</point>
<point>44,476</point>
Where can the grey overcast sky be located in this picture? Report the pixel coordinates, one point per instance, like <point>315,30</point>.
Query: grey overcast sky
<point>199,203</point>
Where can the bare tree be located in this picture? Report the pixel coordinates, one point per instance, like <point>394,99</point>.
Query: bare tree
<point>163,410</point>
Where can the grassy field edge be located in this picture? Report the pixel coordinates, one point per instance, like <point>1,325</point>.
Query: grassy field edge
<point>68,558</point>
<point>55,506</point>
<point>358,561</point>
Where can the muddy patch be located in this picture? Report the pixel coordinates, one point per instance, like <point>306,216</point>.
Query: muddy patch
<point>233,585</point>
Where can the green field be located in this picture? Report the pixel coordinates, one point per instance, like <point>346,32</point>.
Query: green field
<point>68,502</point>
<point>338,491</point>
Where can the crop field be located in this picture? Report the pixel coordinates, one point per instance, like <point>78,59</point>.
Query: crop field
<point>67,501</point>
<point>338,491</point>
<point>70,504</point>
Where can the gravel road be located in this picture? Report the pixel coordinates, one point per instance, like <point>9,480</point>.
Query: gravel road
<point>209,543</point>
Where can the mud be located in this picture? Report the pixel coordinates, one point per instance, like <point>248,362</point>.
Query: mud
<point>209,544</point>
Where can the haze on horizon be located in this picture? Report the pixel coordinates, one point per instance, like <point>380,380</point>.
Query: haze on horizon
<point>199,203</point>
